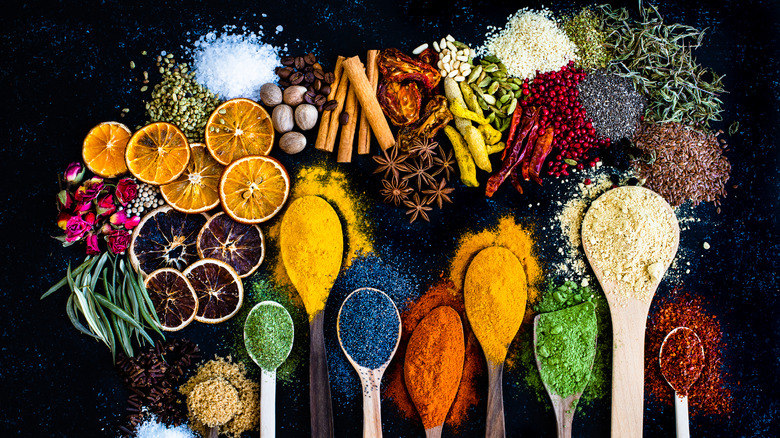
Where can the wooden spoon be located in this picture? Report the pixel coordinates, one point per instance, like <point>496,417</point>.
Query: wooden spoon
<point>495,293</point>
<point>424,355</point>
<point>268,370</point>
<point>681,401</point>
<point>313,260</point>
<point>564,408</point>
<point>370,379</point>
<point>628,310</point>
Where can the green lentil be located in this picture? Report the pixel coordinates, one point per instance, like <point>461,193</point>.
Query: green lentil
<point>568,338</point>
<point>268,335</point>
<point>180,100</point>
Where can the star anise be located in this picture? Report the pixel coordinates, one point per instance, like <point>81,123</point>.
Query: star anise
<point>391,162</point>
<point>439,194</point>
<point>395,191</point>
<point>424,148</point>
<point>444,163</point>
<point>418,169</point>
<point>417,208</point>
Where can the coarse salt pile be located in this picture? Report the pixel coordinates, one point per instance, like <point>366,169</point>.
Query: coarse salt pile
<point>152,429</point>
<point>234,65</point>
<point>530,42</point>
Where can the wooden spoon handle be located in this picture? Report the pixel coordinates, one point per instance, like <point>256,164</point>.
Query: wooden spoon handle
<point>372,409</point>
<point>213,431</point>
<point>628,372</point>
<point>267,404</point>
<point>564,414</point>
<point>319,383</point>
<point>681,416</point>
<point>495,405</point>
<point>434,432</point>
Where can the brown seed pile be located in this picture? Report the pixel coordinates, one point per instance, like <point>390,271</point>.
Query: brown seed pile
<point>247,411</point>
<point>152,376</point>
<point>682,163</point>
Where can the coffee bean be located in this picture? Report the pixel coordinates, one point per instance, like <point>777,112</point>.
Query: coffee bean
<point>299,63</point>
<point>319,99</point>
<point>284,72</point>
<point>330,105</point>
<point>287,60</point>
<point>317,84</point>
<point>319,108</point>
<point>319,74</point>
<point>344,118</point>
<point>317,66</point>
<point>325,90</point>
<point>309,58</point>
<point>296,78</point>
<point>284,83</point>
<point>308,69</point>
<point>309,77</point>
<point>309,97</point>
<point>330,78</point>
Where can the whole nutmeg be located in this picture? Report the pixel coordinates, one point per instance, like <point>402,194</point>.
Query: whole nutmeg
<point>293,95</point>
<point>270,94</point>
<point>306,116</point>
<point>282,118</point>
<point>292,142</point>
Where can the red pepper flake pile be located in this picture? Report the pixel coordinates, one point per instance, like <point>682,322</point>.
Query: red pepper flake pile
<point>682,359</point>
<point>709,394</point>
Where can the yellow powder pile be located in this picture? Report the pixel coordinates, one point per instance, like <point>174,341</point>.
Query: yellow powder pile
<point>335,187</point>
<point>247,414</point>
<point>507,234</point>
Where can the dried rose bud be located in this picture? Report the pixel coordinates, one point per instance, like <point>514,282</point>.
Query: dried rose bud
<point>92,245</point>
<point>74,173</point>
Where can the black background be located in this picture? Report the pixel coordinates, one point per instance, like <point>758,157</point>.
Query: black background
<point>64,68</point>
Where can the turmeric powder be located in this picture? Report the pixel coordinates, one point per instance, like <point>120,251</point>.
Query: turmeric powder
<point>433,365</point>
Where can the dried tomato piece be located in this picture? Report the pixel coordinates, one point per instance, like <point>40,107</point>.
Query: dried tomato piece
<point>429,56</point>
<point>397,67</point>
<point>435,117</point>
<point>400,102</point>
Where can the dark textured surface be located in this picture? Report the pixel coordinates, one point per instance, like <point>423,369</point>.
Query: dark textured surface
<point>64,68</point>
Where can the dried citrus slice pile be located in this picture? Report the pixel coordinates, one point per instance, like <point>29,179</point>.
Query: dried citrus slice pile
<point>239,245</point>
<point>253,189</point>
<point>238,128</point>
<point>165,238</point>
<point>104,149</point>
<point>173,297</point>
<point>219,290</point>
<point>197,189</point>
<point>157,153</point>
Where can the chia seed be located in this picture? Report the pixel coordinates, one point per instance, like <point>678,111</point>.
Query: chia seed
<point>612,103</point>
<point>369,327</point>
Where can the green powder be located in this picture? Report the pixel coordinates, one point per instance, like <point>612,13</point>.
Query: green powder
<point>566,347</point>
<point>268,335</point>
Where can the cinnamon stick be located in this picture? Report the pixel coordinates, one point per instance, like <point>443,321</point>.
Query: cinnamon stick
<point>347,139</point>
<point>353,69</point>
<point>322,133</point>
<point>372,72</point>
<point>333,126</point>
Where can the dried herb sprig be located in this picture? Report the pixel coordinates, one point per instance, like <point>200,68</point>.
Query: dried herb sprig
<point>658,57</point>
<point>121,313</point>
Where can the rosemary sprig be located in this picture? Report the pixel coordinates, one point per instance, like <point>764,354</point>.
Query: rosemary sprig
<point>658,58</point>
<point>115,315</point>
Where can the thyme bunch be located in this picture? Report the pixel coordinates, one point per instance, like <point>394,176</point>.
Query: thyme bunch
<point>658,58</point>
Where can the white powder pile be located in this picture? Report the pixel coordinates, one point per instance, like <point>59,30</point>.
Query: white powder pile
<point>234,65</point>
<point>152,429</point>
<point>530,41</point>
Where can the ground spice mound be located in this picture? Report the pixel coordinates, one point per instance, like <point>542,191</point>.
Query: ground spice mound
<point>443,293</point>
<point>507,234</point>
<point>336,188</point>
<point>682,163</point>
<point>710,394</point>
<point>248,416</point>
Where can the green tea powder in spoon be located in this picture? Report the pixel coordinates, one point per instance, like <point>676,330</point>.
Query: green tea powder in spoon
<point>268,335</point>
<point>566,347</point>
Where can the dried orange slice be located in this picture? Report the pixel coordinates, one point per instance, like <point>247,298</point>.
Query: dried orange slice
<point>157,153</point>
<point>239,245</point>
<point>253,189</point>
<point>104,149</point>
<point>173,297</point>
<point>165,238</point>
<point>219,290</point>
<point>197,189</point>
<point>237,128</point>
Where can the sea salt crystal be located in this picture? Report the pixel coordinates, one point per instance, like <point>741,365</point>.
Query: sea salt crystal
<point>234,65</point>
<point>279,28</point>
<point>152,429</point>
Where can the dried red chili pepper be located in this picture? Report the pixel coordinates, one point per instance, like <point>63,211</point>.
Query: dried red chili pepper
<point>516,116</point>
<point>396,66</point>
<point>710,394</point>
<point>518,150</point>
<point>541,151</point>
<point>400,102</point>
